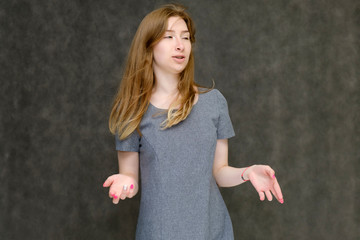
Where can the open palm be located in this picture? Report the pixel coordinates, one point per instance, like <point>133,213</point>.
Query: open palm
<point>264,181</point>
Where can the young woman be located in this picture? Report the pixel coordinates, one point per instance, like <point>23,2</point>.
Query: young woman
<point>176,133</point>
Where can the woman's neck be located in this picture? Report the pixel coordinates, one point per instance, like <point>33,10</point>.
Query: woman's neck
<point>166,84</point>
<point>165,90</point>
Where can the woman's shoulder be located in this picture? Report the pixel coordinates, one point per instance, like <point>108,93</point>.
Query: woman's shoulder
<point>211,93</point>
<point>211,99</point>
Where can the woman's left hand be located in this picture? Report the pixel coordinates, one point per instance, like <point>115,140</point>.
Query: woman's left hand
<point>264,181</point>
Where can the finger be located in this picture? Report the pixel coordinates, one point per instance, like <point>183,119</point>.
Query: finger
<point>124,192</point>
<point>270,172</point>
<point>280,200</point>
<point>269,195</point>
<point>262,196</point>
<point>122,196</point>
<point>131,191</point>
<point>277,192</point>
<point>113,193</point>
<point>108,181</point>
<point>115,199</point>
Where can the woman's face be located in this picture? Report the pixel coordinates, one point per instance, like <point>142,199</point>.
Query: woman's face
<point>172,52</point>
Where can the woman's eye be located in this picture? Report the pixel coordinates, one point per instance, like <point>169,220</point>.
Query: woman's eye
<point>186,38</point>
<point>168,37</point>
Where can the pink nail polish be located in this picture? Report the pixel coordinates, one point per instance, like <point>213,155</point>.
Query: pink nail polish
<point>132,186</point>
<point>115,196</point>
<point>281,201</point>
<point>273,176</point>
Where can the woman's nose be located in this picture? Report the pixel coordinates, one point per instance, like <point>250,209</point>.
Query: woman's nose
<point>179,45</point>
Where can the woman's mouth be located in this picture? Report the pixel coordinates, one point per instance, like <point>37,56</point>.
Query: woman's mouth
<point>179,58</point>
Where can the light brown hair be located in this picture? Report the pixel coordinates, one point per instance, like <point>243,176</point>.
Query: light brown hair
<point>134,93</point>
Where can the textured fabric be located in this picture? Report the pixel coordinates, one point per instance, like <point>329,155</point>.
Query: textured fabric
<point>179,195</point>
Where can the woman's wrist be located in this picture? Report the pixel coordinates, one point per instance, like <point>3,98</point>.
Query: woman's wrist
<point>244,174</point>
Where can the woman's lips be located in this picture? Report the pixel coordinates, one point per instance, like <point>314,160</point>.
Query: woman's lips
<point>179,58</point>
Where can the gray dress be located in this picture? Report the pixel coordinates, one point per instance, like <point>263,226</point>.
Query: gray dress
<point>179,195</point>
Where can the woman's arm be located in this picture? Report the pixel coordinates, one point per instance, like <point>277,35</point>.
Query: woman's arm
<point>262,177</point>
<point>129,164</point>
<point>225,175</point>
<point>125,183</point>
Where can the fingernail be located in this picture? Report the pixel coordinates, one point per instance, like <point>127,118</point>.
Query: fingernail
<point>274,176</point>
<point>281,201</point>
<point>132,186</point>
<point>115,196</point>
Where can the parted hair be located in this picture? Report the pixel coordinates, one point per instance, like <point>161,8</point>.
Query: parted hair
<point>134,93</point>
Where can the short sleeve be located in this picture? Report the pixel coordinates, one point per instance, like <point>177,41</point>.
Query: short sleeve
<point>224,127</point>
<point>129,144</point>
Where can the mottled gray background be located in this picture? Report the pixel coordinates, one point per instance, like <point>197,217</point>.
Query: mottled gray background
<point>288,68</point>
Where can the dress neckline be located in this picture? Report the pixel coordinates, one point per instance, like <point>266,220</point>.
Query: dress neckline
<point>164,109</point>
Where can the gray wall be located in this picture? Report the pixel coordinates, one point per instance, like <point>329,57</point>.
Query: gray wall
<point>290,73</point>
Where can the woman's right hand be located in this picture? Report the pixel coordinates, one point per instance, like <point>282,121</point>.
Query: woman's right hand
<point>121,187</point>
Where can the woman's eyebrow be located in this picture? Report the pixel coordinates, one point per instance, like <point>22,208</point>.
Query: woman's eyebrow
<point>184,31</point>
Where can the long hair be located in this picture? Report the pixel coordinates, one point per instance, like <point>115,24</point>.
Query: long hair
<point>134,93</point>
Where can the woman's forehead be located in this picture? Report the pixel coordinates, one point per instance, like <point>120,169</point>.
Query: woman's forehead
<point>176,23</point>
